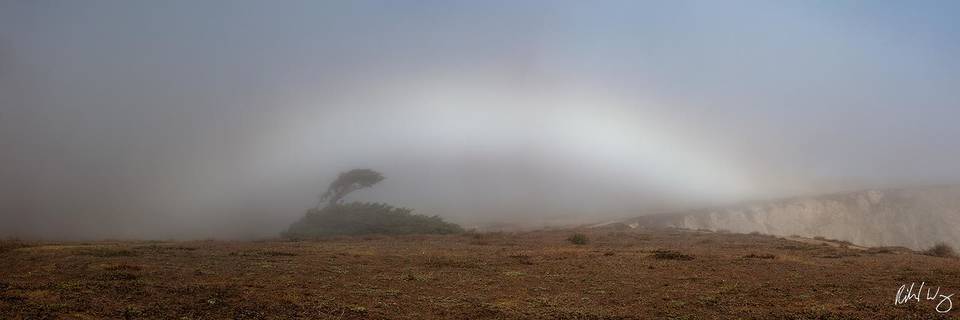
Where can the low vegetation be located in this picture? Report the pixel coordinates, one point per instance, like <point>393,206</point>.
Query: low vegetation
<point>12,244</point>
<point>642,274</point>
<point>104,252</point>
<point>578,239</point>
<point>670,255</point>
<point>360,218</point>
<point>942,250</point>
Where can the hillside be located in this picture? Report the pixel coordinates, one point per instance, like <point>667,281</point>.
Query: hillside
<point>914,218</point>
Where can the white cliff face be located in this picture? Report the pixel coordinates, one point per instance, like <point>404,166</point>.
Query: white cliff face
<point>913,218</point>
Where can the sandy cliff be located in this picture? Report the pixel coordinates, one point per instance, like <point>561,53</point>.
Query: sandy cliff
<point>915,218</point>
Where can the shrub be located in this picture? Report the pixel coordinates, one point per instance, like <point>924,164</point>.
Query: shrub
<point>359,218</point>
<point>578,239</point>
<point>442,262</point>
<point>941,250</point>
<point>796,247</point>
<point>880,250</point>
<point>12,244</point>
<point>106,252</point>
<point>670,255</point>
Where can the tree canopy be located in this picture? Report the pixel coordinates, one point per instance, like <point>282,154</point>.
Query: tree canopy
<point>348,182</point>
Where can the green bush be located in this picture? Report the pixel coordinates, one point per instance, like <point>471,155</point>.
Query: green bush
<point>359,218</point>
<point>578,239</point>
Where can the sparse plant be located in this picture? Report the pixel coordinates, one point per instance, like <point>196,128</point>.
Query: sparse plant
<point>118,276</point>
<point>837,254</point>
<point>445,262</point>
<point>795,247</point>
<point>11,244</point>
<point>123,267</point>
<point>670,255</point>
<point>942,250</point>
<point>709,300</point>
<point>106,252</point>
<point>880,250</point>
<point>132,312</point>
<point>358,309</point>
<point>410,275</point>
<point>578,239</point>
<point>759,256</point>
<point>278,253</point>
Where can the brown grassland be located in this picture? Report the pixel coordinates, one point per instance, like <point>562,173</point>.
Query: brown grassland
<point>617,274</point>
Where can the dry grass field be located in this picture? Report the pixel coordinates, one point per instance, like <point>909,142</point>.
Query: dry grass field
<point>617,274</point>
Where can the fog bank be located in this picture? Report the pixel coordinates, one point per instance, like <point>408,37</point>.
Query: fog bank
<point>226,119</point>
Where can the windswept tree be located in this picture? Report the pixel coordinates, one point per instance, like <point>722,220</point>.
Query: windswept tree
<point>356,218</point>
<point>348,182</point>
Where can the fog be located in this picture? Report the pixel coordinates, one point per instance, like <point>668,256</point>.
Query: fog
<point>226,119</point>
